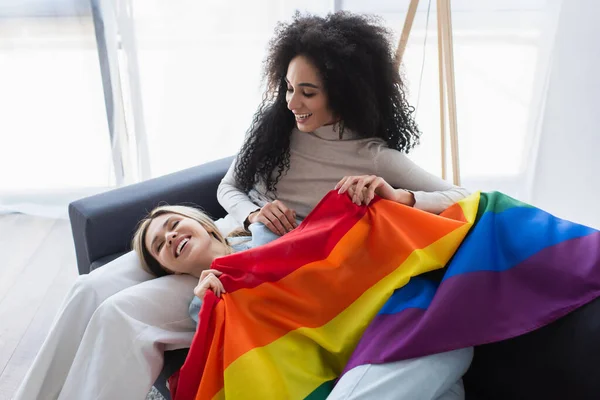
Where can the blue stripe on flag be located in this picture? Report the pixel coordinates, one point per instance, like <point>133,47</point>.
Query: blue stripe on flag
<point>417,293</point>
<point>500,241</point>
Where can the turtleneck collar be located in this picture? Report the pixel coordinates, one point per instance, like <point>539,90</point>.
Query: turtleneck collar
<point>331,132</point>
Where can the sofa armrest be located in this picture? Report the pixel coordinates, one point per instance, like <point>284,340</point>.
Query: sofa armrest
<point>103,224</point>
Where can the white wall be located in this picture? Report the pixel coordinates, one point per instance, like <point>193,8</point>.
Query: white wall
<point>566,179</point>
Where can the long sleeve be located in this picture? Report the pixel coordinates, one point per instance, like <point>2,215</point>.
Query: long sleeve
<point>194,309</point>
<point>233,199</point>
<point>432,193</point>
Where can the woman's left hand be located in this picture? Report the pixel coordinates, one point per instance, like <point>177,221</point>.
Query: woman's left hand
<point>362,190</point>
<point>209,279</point>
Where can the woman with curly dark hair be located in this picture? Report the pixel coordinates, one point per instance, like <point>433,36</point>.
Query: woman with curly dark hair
<point>334,107</point>
<point>335,115</point>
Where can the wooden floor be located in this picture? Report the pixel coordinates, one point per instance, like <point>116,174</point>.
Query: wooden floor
<point>37,268</point>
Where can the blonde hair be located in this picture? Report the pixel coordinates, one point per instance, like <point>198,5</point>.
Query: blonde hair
<point>149,263</point>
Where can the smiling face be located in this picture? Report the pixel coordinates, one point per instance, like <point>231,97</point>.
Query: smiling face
<point>306,97</point>
<point>181,244</point>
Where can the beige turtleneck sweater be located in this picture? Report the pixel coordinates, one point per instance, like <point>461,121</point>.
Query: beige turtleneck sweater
<point>319,160</point>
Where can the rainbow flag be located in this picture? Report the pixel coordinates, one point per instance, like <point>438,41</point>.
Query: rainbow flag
<point>355,285</point>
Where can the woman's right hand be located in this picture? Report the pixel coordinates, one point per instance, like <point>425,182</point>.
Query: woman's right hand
<point>209,279</point>
<point>275,216</point>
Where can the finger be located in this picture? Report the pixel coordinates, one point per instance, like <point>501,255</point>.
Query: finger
<point>220,287</point>
<point>265,210</point>
<point>349,182</point>
<point>206,272</point>
<point>218,284</point>
<point>263,220</point>
<point>272,218</point>
<point>340,183</point>
<point>200,290</point>
<point>207,280</point>
<point>213,284</point>
<point>351,192</point>
<point>289,214</point>
<point>359,197</point>
<point>379,188</point>
<point>382,189</point>
<point>362,198</point>
<point>266,218</point>
<point>282,218</point>
<point>370,195</point>
<point>374,188</point>
<point>356,195</point>
<point>360,185</point>
<point>284,214</point>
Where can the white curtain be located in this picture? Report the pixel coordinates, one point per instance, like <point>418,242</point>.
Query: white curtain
<point>54,144</point>
<point>565,174</point>
<point>186,81</point>
<point>200,67</point>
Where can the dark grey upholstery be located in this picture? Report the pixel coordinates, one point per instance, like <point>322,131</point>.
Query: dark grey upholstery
<point>559,361</point>
<point>103,225</point>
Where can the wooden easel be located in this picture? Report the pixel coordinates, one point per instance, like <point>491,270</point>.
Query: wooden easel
<point>446,78</point>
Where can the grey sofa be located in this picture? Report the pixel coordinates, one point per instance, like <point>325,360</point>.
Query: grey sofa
<point>559,361</point>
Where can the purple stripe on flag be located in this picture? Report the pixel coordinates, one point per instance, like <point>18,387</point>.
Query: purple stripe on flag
<point>482,307</point>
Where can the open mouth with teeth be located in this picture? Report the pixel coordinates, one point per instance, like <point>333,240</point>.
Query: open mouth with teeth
<point>181,246</point>
<point>302,117</point>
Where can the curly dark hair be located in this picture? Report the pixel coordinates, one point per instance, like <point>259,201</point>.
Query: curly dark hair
<point>365,90</point>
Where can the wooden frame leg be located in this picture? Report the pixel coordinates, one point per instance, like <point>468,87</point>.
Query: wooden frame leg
<point>410,17</point>
<point>442,86</point>
<point>451,88</point>
<point>446,80</point>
